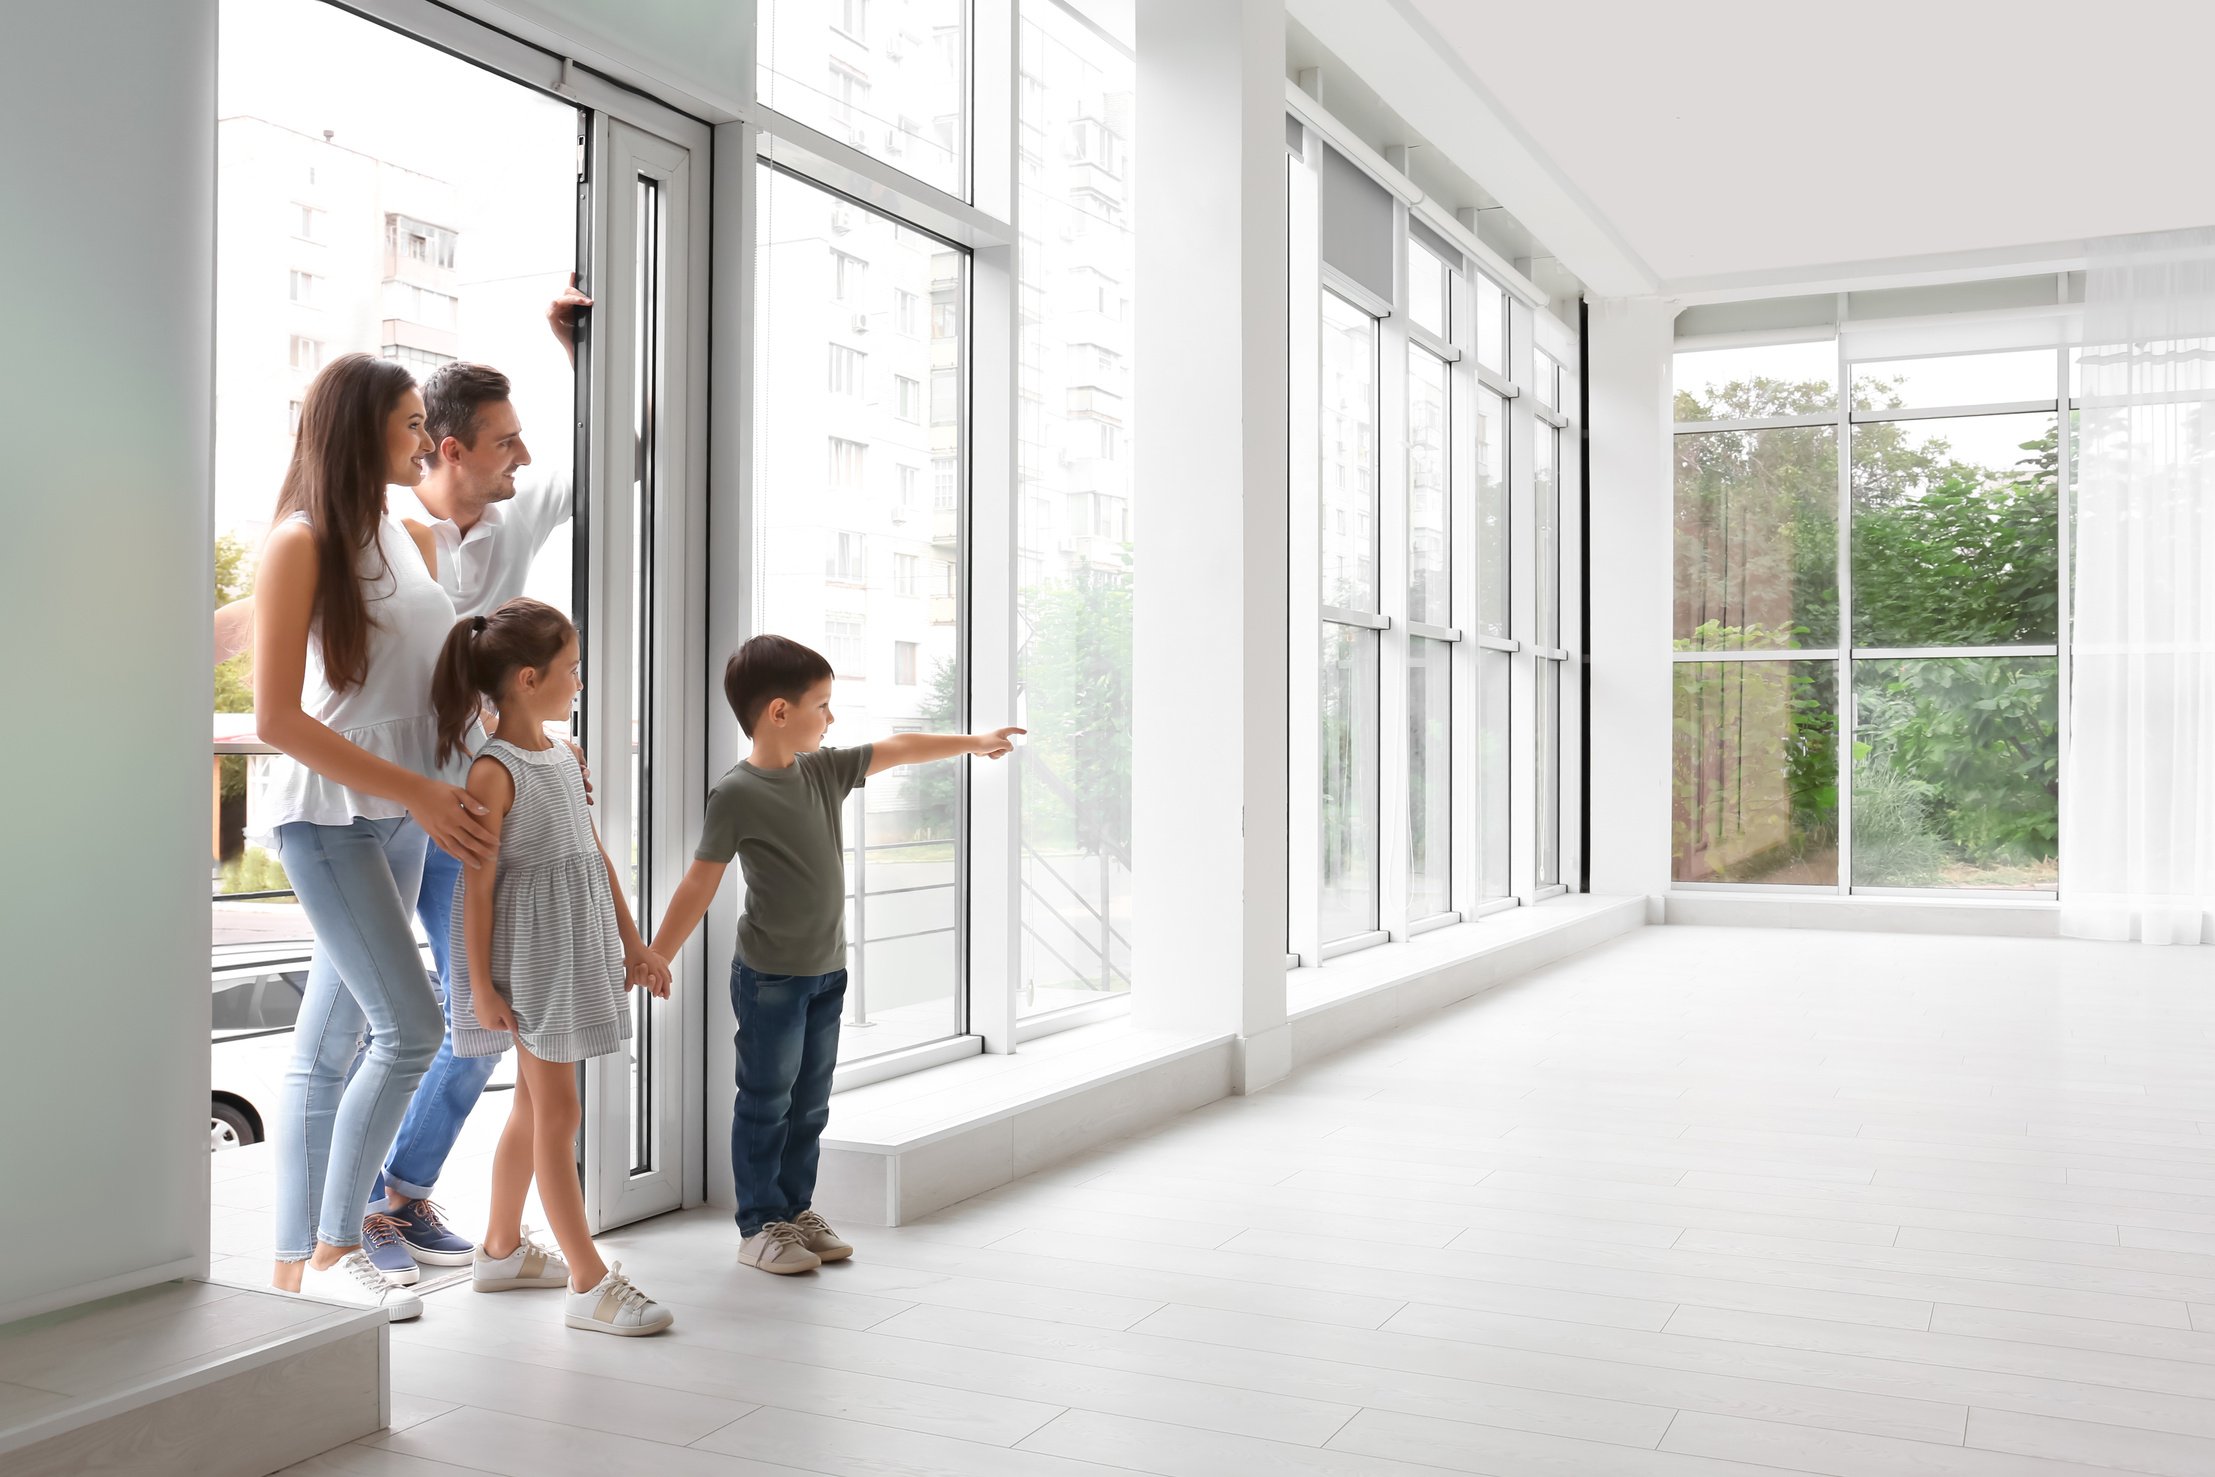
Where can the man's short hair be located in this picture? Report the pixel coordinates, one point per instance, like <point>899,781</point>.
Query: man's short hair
<point>765,669</point>
<point>454,394</point>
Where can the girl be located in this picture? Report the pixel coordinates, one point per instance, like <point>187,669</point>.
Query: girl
<point>350,619</point>
<point>543,949</point>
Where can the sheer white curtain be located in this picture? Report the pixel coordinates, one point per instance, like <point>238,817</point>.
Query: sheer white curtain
<point>2138,792</point>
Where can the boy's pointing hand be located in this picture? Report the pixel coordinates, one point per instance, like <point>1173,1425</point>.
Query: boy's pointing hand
<point>992,745</point>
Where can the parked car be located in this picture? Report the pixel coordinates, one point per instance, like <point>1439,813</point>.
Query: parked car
<point>256,1001</point>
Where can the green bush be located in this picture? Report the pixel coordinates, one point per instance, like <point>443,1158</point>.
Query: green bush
<point>252,870</point>
<point>1893,845</point>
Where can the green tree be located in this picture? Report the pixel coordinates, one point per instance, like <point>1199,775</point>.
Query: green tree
<point>234,679</point>
<point>936,787</point>
<point>1076,673</point>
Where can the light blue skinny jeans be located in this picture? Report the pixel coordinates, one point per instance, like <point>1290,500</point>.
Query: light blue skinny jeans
<point>356,883</point>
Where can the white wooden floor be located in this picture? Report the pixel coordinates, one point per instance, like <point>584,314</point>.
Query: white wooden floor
<point>1701,1201</point>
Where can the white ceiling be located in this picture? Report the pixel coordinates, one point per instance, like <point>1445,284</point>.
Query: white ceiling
<point>1731,138</point>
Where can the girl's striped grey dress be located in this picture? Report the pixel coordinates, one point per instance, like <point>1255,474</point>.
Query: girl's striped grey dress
<point>556,954</point>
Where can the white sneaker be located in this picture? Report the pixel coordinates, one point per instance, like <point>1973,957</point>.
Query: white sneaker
<point>826,1243</point>
<point>617,1307</point>
<point>354,1280</point>
<point>529,1265</point>
<point>779,1247</point>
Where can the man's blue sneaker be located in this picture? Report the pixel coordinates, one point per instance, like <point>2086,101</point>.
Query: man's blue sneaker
<point>380,1239</point>
<point>428,1236</point>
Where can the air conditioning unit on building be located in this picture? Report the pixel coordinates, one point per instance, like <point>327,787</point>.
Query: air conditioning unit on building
<point>842,220</point>
<point>858,136</point>
<point>861,323</point>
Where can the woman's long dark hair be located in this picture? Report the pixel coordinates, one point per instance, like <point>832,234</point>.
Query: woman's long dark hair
<point>340,465</point>
<point>482,653</point>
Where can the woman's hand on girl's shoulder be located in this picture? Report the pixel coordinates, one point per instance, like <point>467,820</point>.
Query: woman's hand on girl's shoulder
<point>466,822</point>
<point>583,768</point>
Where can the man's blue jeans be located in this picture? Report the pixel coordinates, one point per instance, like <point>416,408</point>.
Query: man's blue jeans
<point>787,1050</point>
<point>452,1085</point>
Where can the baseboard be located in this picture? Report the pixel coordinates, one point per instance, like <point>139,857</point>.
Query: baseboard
<point>1994,917</point>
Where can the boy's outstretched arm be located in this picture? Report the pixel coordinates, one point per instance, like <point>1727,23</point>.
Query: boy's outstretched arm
<point>687,907</point>
<point>924,748</point>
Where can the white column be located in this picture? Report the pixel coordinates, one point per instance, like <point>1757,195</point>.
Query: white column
<point>1209,629</point>
<point>1629,641</point>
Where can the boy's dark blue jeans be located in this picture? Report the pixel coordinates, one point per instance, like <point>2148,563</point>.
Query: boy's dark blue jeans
<point>787,1050</point>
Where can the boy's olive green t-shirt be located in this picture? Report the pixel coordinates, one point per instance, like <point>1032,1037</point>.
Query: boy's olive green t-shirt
<point>784,826</point>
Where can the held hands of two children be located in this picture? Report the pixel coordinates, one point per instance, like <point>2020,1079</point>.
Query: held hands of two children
<point>643,966</point>
<point>993,744</point>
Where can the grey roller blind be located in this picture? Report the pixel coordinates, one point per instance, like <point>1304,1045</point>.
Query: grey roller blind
<point>1357,223</point>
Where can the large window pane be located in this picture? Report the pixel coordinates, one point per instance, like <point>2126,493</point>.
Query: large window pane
<point>1548,786</point>
<point>1430,778</point>
<point>1956,772</point>
<point>848,563</point>
<point>1956,538</point>
<point>1492,515</point>
<point>1073,521</point>
<point>1546,503</point>
<point>1350,795</point>
<point>890,77</point>
<point>1430,584</point>
<point>1349,455</point>
<point>1956,379</point>
<point>1752,383</point>
<point>1756,786</point>
<point>1757,539</point>
<point>1495,780</point>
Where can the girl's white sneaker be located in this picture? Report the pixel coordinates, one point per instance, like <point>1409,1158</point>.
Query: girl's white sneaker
<point>354,1280</point>
<point>617,1307</point>
<point>529,1265</point>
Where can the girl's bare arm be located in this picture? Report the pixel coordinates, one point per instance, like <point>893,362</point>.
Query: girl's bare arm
<point>490,783</point>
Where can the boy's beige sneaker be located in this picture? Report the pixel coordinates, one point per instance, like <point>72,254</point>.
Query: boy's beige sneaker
<point>826,1243</point>
<point>779,1247</point>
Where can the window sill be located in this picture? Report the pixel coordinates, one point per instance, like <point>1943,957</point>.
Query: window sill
<point>1388,966</point>
<point>905,1112</point>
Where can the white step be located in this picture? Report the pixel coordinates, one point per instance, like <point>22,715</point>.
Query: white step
<point>188,1377</point>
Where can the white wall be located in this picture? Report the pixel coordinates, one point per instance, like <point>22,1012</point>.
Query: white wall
<point>1628,412</point>
<point>1209,633</point>
<point>109,184</point>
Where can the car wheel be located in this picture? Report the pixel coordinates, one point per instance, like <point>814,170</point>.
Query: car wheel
<point>228,1128</point>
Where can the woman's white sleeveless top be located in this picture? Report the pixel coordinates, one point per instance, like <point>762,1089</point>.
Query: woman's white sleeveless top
<point>389,713</point>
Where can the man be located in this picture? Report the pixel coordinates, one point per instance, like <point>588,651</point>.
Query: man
<point>488,524</point>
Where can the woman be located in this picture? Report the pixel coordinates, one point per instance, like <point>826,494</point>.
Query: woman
<point>349,623</point>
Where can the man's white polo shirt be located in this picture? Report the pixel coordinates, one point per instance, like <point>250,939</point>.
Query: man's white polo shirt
<point>486,567</point>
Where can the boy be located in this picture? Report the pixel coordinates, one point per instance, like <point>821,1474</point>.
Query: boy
<point>778,811</point>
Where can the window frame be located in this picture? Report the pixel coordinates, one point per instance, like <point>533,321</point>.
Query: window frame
<point>1844,651</point>
<point>1490,865</point>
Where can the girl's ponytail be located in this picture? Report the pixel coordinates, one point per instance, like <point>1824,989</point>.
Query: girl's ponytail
<point>455,695</point>
<point>481,654</point>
